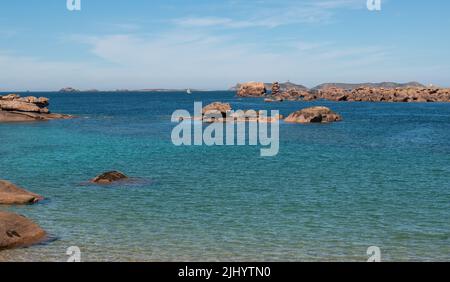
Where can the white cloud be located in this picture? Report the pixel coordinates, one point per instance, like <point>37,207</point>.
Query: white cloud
<point>182,59</point>
<point>179,59</point>
<point>291,12</point>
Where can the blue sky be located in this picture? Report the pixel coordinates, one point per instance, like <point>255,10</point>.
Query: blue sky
<point>214,44</point>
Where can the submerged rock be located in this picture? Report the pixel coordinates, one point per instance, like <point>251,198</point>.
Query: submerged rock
<point>18,231</point>
<point>109,177</point>
<point>11,194</point>
<point>314,115</point>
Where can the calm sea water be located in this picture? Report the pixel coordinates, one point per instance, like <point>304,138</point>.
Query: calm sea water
<point>379,178</point>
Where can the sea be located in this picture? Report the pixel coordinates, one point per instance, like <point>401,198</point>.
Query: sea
<point>380,178</point>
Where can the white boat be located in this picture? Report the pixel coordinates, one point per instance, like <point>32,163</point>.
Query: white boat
<point>188,91</point>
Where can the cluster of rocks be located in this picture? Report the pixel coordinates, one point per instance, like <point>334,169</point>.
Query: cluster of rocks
<point>223,112</point>
<point>289,95</point>
<point>17,230</point>
<point>14,108</point>
<point>398,95</point>
<point>360,94</point>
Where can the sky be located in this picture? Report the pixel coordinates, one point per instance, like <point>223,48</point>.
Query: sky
<point>214,44</point>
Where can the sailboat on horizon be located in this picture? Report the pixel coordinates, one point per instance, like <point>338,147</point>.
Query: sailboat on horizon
<point>188,91</point>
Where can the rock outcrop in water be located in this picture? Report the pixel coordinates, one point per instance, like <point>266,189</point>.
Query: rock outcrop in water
<point>395,95</point>
<point>366,94</point>
<point>351,86</point>
<point>403,93</point>
<point>276,88</point>
<point>109,177</point>
<point>252,89</point>
<point>313,115</point>
<point>216,108</point>
<point>14,108</point>
<point>222,112</point>
<point>284,86</point>
<point>18,231</point>
<point>14,102</point>
<point>275,96</point>
<point>11,194</point>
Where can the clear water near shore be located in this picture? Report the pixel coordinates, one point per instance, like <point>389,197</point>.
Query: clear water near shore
<point>381,177</point>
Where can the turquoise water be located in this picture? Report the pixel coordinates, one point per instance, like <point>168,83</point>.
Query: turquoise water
<point>379,178</point>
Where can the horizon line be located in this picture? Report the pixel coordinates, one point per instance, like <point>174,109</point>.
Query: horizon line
<point>61,90</point>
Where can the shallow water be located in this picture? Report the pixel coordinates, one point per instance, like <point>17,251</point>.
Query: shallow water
<point>381,177</point>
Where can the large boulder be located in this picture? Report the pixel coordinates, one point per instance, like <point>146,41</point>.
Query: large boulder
<point>252,89</point>
<point>217,108</point>
<point>11,194</point>
<point>109,177</point>
<point>18,231</point>
<point>313,115</point>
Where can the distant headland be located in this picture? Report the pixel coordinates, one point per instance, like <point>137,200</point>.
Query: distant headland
<point>74,90</point>
<point>281,91</point>
<point>345,92</point>
<point>284,86</point>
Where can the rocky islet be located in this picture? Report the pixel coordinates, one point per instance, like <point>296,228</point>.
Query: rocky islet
<point>14,108</point>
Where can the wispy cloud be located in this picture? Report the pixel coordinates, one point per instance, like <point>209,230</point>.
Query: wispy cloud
<point>179,59</point>
<point>271,15</point>
<point>206,60</point>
